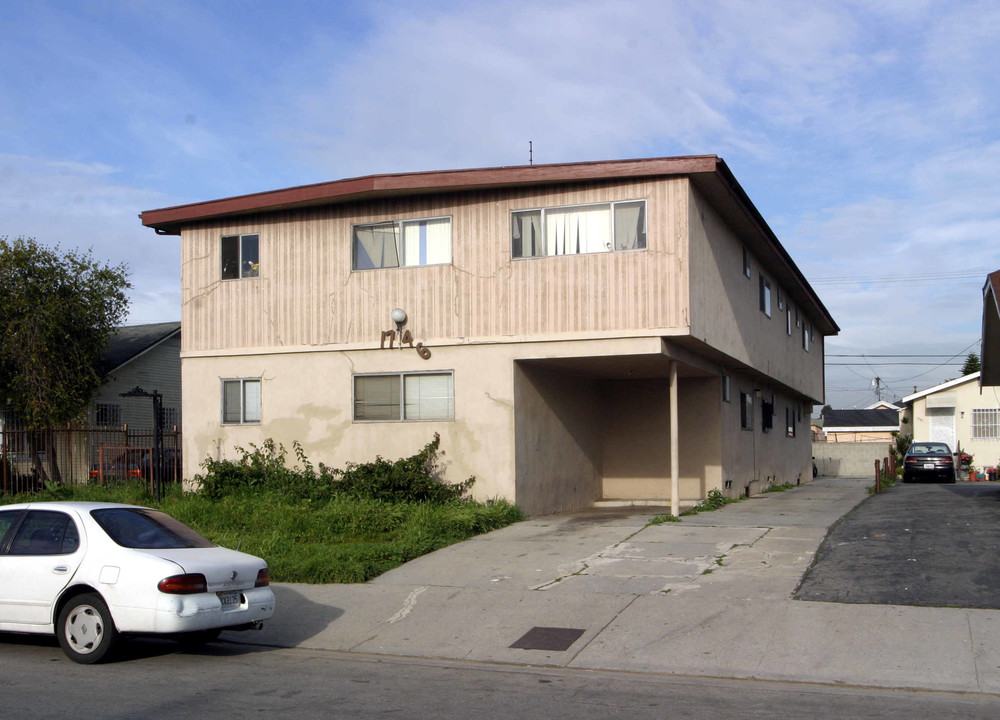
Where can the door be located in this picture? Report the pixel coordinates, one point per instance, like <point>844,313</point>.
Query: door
<point>39,560</point>
<point>941,425</point>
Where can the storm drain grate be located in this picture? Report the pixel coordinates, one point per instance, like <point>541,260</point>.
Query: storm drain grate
<point>548,638</point>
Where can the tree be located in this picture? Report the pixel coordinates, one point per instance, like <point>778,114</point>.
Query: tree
<point>57,314</point>
<point>971,364</point>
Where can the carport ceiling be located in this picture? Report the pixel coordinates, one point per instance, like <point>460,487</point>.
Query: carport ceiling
<point>619,367</point>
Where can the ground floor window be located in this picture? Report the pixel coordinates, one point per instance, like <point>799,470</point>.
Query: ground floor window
<point>746,411</point>
<point>241,401</point>
<point>404,396</point>
<point>790,422</point>
<point>986,424</point>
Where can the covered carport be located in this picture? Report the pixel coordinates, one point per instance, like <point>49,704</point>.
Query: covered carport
<point>635,426</point>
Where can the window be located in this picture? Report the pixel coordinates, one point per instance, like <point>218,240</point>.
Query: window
<point>790,422</point>
<point>767,415</point>
<point>986,424</point>
<point>108,414</point>
<point>579,229</point>
<point>44,532</point>
<point>241,401</point>
<point>404,396</point>
<point>746,411</point>
<point>725,388</point>
<point>746,262</point>
<point>402,243</point>
<point>806,336</point>
<point>169,417</point>
<point>240,256</point>
<point>765,296</point>
<point>788,320</point>
<point>781,298</point>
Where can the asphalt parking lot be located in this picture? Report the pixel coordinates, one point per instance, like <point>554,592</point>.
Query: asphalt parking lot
<point>915,544</point>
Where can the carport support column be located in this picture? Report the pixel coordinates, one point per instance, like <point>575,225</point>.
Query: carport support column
<point>675,478</point>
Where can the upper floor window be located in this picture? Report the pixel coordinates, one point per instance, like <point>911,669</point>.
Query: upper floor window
<point>240,256</point>
<point>806,335</point>
<point>788,320</point>
<point>765,296</point>
<point>578,229</point>
<point>725,388</point>
<point>241,401</point>
<point>746,262</point>
<point>401,243</point>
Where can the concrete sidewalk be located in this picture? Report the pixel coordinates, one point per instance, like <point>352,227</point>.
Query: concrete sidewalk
<point>709,596</point>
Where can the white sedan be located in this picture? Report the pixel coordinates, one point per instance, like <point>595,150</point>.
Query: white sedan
<point>90,572</point>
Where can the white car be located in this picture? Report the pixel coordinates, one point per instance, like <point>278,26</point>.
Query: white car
<point>90,572</point>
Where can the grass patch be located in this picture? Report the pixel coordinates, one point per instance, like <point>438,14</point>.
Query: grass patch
<point>664,518</point>
<point>713,501</point>
<point>781,487</point>
<point>337,534</point>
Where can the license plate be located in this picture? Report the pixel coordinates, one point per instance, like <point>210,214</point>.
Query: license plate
<point>230,599</point>
<point>929,466</point>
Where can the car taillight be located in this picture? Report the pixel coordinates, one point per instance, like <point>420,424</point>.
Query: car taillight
<point>948,461</point>
<point>263,578</point>
<point>183,584</point>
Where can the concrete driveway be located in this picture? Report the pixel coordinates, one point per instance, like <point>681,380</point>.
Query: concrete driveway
<point>926,545</point>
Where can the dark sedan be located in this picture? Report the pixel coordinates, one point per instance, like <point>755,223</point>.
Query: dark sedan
<point>929,461</point>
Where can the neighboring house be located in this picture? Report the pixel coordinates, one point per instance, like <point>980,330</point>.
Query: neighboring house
<point>989,353</point>
<point>143,356</point>
<point>959,413</point>
<point>875,425</point>
<point>557,317</point>
<point>884,405</point>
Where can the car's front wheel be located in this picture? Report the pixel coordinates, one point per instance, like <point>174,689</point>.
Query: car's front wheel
<point>86,631</point>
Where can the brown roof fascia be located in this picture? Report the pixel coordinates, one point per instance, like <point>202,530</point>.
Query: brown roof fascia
<point>168,221</point>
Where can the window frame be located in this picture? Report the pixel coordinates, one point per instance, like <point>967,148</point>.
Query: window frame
<point>984,424</point>
<point>789,421</point>
<point>641,245</point>
<point>108,414</point>
<point>402,377</point>
<point>243,382</point>
<point>746,410</point>
<point>726,388</point>
<point>400,242</point>
<point>765,295</point>
<point>253,271</point>
<point>747,273</point>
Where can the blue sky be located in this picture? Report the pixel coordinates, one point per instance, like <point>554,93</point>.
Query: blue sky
<point>865,133</point>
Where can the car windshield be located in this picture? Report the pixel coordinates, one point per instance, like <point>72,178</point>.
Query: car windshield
<point>930,449</point>
<point>147,529</point>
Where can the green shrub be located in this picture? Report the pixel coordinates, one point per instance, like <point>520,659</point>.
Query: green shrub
<point>263,469</point>
<point>713,501</point>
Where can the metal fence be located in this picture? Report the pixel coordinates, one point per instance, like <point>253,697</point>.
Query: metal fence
<point>78,455</point>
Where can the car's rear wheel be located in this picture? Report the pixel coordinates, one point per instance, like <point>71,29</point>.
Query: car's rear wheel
<point>86,631</point>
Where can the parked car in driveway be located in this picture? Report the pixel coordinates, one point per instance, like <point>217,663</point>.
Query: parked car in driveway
<point>929,461</point>
<point>90,573</point>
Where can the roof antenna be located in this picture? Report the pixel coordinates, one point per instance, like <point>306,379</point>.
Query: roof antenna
<point>531,154</point>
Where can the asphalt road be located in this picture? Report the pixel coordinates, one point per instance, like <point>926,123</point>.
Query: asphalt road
<point>154,679</point>
<point>915,544</point>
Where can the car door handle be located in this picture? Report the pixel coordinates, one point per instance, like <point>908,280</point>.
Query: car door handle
<point>60,569</point>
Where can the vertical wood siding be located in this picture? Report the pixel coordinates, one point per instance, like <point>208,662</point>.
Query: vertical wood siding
<point>307,295</point>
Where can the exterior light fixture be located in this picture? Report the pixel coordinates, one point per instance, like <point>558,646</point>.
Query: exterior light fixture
<point>399,317</point>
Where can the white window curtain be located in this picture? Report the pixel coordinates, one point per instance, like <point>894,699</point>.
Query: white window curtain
<point>251,401</point>
<point>630,226</point>
<point>526,234</point>
<point>375,246</point>
<point>427,242</point>
<point>429,397</point>
<point>575,230</point>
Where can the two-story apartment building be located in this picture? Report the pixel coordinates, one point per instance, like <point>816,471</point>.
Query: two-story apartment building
<point>627,330</point>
